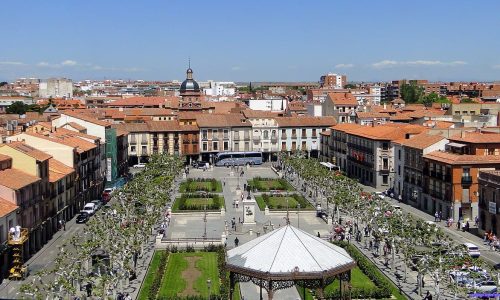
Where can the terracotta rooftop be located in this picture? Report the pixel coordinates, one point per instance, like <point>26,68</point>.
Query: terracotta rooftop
<point>306,121</point>
<point>342,99</point>
<point>76,126</point>
<point>16,179</point>
<point>421,141</point>
<point>58,170</point>
<point>389,132</point>
<point>457,159</point>
<point>252,114</point>
<point>146,101</point>
<point>477,137</point>
<point>222,120</point>
<point>28,150</point>
<point>4,157</point>
<point>325,133</point>
<point>438,124</point>
<point>84,115</point>
<point>368,114</point>
<point>6,207</point>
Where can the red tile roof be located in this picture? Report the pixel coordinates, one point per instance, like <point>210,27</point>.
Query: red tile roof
<point>28,150</point>
<point>421,141</point>
<point>16,179</point>
<point>477,137</point>
<point>342,99</point>
<point>457,159</point>
<point>6,207</point>
<point>306,121</point>
<point>58,170</point>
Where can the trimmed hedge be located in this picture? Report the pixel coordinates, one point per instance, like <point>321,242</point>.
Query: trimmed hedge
<point>256,184</point>
<point>180,203</point>
<point>384,287</point>
<point>191,186</point>
<point>155,286</point>
<point>304,204</point>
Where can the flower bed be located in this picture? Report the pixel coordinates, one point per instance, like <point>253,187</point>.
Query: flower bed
<point>268,184</point>
<point>279,202</point>
<point>201,184</point>
<point>198,201</point>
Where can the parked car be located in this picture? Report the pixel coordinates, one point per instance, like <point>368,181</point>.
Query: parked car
<point>380,194</point>
<point>98,204</point>
<point>486,287</point>
<point>106,194</point>
<point>83,217</point>
<point>89,208</point>
<point>200,164</point>
<point>472,249</point>
<point>140,165</point>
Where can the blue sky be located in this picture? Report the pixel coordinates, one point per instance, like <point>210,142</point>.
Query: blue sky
<point>254,40</point>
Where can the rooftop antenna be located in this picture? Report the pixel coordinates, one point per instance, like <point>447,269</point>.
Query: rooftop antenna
<point>189,62</point>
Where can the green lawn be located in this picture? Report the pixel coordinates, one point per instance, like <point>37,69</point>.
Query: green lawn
<point>205,185</point>
<point>199,201</point>
<point>153,269</point>
<point>280,202</point>
<point>174,284</point>
<point>358,279</point>
<point>266,184</point>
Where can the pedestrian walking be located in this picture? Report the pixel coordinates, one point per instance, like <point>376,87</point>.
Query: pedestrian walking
<point>476,221</point>
<point>88,289</point>
<point>436,215</point>
<point>458,224</point>
<point>319,234</point>
<point>64,224</point>
<point>239,219</point>
<point>440,216</point>
<point>236,242</point>
<point>128,297</point>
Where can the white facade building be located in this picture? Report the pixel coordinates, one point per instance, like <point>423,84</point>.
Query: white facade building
<point>220,88</point>
<point>56,88</point>
<point>270,104</point>
<point>314,109</point>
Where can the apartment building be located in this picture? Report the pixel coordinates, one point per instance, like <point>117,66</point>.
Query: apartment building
<point>218,132</point>
<point>451,176</point>
<point>172,137</point>
<point>409,165</point>
<point>342,106</point>
<point>333,81</point>
<point>489,201</point>
<point>366,153</point>
<point>264,132</point>
<point>62,191</point>
<point>8,219</point>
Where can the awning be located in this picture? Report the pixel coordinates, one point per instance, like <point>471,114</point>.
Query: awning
<point>457,145</point>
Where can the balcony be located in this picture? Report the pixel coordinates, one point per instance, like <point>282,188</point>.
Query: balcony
<point>256,138</point>
<point>466,180</point>
<point>274,139</point>
<point>236,137</point>
<point>284,136</point>
<point>294,136</point>
<point>226,137</point>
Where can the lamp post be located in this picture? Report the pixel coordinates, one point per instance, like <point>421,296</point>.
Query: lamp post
<point>298,215</point>
<point>209,285</point>
<point>205,221</point>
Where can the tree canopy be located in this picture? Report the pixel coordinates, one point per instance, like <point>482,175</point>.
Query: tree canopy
<point>21,108</point>
<point>411,93</point>
<point>350,86</point>
<point>427,100</point>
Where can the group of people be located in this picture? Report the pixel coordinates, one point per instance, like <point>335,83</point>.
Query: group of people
<point>492,240</point>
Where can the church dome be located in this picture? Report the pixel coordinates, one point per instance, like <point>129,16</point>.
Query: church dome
<point>189,85</point>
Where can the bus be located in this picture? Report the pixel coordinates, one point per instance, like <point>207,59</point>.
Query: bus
<point>238,158</point>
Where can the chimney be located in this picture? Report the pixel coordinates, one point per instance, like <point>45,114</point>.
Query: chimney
<point>385,106</point>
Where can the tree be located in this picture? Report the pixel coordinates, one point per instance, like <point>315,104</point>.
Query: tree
<point>17,107</point>
<point>466,100</point>
<point>3,83</point>
<point>411,93</point>
<point>427,100</point>
<point>350,86</point>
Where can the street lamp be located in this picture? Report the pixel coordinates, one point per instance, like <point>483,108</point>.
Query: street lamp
<point>298,215</point>
<point>209,285</point>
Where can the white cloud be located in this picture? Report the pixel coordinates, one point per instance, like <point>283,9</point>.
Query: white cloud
<point>69,63</point>
<point>236,68</point>
<point>344,66</point>
<point>43,64</point>
<point>384,63</point>
<point>393,63</point>
<point>12,63</point>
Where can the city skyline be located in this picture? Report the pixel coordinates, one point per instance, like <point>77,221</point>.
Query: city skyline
<point>255,41</point>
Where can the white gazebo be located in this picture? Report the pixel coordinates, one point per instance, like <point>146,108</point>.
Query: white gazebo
<point>288,256</point>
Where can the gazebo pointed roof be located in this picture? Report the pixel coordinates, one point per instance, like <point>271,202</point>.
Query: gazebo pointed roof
<point>289,250</point>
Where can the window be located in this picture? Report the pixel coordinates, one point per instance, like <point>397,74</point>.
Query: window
<point>283,146</point>
<point>304,133</point>
<point>132,148</point>
<point>283,132</point>
<point>226,145</point>
<point>144,150</point>
<point>204,134</point>
<point>215,146</point>
<point>236,146</point>
<point>226,133</point>
<point>205,146</point>
<point>304,146</point>
<point>266,134</point>
<point>294,146</point>
<point>247,146</point>
<point>385,179</point>
<point>294,132</point>
<point>215,134</point>
<point>385,146</point>
<point>399,154</point>
<point>314,132</point>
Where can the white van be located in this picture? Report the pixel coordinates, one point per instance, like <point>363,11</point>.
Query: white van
<point>89,208</point>
<point>472,249</point>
